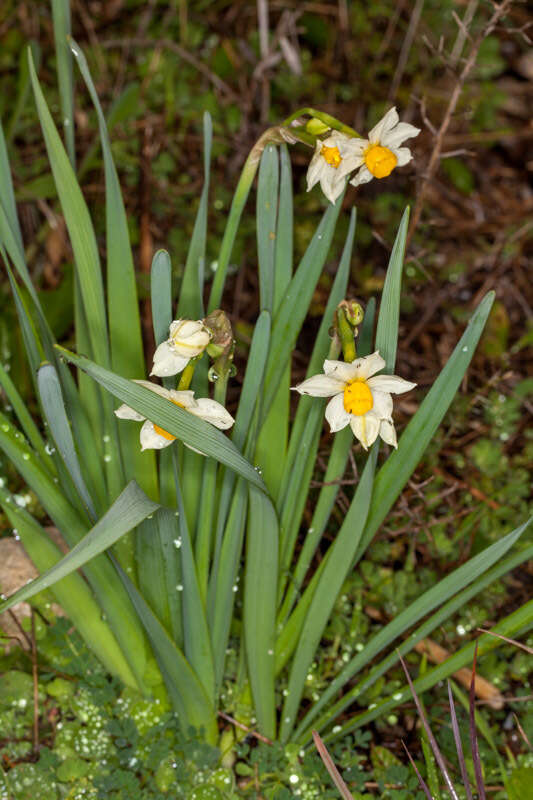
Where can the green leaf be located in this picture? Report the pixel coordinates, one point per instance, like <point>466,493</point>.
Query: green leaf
<point>54,410</point>
<point>128,510</point>
<point>441,593</point>
<point>79,227</point>
<point>7,195</point>
<point>284,230</point>
<point>389,311</point>
<point>266,213</point>
<point>186,427</point>
<point>24,417</point>
<point>72,592</point>
<point>260,590</point>
<point>191,304</point>
<point>161,293</point>
<point>183,686</point>
<point>398,468</point>
<point>325,595</point>
<point>61,23</point>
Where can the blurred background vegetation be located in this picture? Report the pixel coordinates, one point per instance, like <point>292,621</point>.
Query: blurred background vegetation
<point>157,66</point>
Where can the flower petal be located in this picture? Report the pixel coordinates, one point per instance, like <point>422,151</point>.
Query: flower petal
<point>315,167</point>
<point>150,440</point>
<point>167,361</point>
<point>320,386</point>
<point>370,365</point>
<point>125,412</point>
<point>336,414</point>
<point>395,137</point>
<point>365,428</point>
<point>331,183</point>
<point>382,407</point>
<point>183,398</point>
<point>155,387</point>
<point>363,176</point>
<point>388,433</point>
<point>212,412</point>
<point>404,156</point>
<point>380,130</point>
<point>390,383</point>
<point>344,371</point>
<point>349,164</point>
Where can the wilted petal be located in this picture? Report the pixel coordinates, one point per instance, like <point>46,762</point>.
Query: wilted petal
<point>380,130</point>
<point>332,184</point>
<point>320,386</point>
<point>212,412</point>
<point>395,137</point>
<point>167,361</point>
<point>315,167</point>
<point>388,433</point>
<point>365,428</point>
<point>151,440</point>
<point>390,383</point>
<point>336,414</point>
<point>125,412</point>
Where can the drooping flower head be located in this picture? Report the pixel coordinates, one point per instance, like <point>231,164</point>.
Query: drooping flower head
<point>155,438</point>
<point>187,339</point>
<point>360,398</point>
<point>339,155</point>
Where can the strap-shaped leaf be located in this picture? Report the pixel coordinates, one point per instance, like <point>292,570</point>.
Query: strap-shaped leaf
<point>260,589</point>
<point>24,417</point>
<point>326,593</point>
<point>161,294</point>
<point>186,427</point>
<point>266,212</point>
<point>79,226</point>
<point>419,608</point>
<point>191,304</point>
<point>72,592</point>
<point>389,311</point>
<point>54,409</point>
<point>128,510</point>
<point>7,195</point>
<point>183,686</point>
<point>61,23</point>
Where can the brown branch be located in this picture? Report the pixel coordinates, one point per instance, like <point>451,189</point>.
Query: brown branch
<point>434,161</point>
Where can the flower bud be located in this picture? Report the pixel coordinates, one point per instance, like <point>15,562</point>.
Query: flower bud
<point>188,337</point>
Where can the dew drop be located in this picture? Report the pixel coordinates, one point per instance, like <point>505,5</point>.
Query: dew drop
<point>465,349</point>
<point>49,449</point>
<point>5,427</point>
<point>179,587</point>
<point>177,543</point>
<point>26,456</point>
<point>107,458</point>
<point>106,438</point>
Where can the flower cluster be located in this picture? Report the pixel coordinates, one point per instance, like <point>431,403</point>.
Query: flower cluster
<point>339,155</point>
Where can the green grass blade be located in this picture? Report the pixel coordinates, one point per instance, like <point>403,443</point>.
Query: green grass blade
<point>161,293</point>
<point>451,585</point>
<point>326,592</point>
<point>72,592</point>
<point>128,510</point>
<point>260,590</point>
<point>266,213</point>
<point>293,309</point>
<point>203,543</point>
<point>184,688</point>
<point>169,545</point>
<point>18,107</point>
<point>517,623</point>
<point>186,427</point>
<point>61,23</point>
<point>54,410</point>
<point>284,230</point>
<point>191,303</point>
<point>366,331</point>
<point>398,468</point>
<point>389,311</point>
<point>79,226</point>
<point>152,570</point>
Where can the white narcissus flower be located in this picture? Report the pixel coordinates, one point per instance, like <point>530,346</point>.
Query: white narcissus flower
<point>378,155</point>
<point>155,438</point>
<point>331,163</point>
<point>360,398</point>
<point>187,339</point>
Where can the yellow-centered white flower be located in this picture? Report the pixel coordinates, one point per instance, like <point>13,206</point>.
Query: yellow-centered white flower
<point>155,438</point>
<point>360,398</point>
<point>330,154</point>
<point>377,156</point>
<point>187,338</point>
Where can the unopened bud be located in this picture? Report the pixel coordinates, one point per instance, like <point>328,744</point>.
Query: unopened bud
<point>316,127</point>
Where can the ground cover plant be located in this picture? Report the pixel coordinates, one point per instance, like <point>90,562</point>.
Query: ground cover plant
<point>200,623</point>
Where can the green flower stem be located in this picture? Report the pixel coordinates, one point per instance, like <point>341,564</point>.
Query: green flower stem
<point>186,376</point>
<point>332,122</point>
